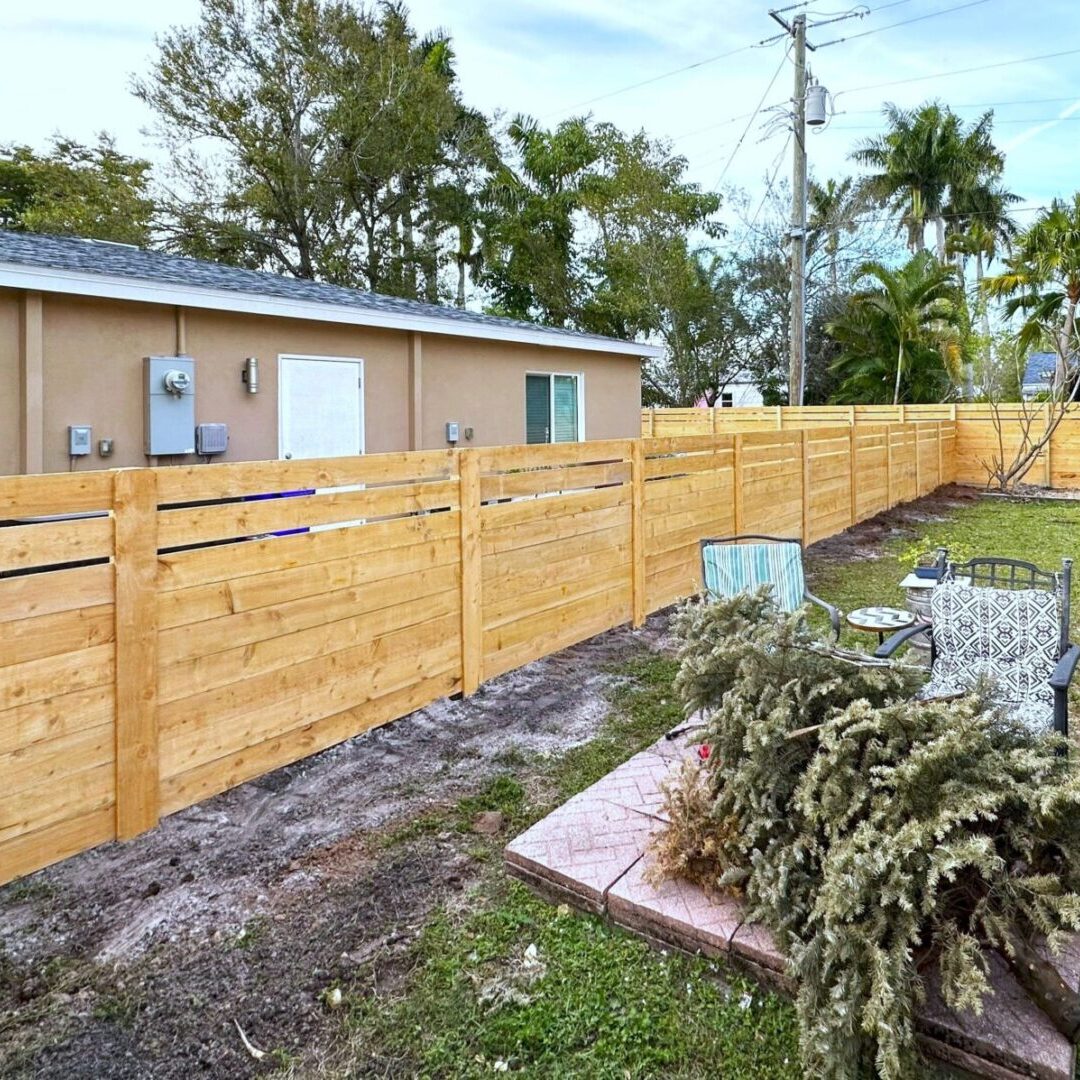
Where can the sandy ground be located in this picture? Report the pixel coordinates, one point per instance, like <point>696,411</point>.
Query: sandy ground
<point>135,959</point>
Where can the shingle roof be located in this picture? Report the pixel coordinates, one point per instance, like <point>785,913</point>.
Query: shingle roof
<point>125,261</point>
<point>1039,370</point>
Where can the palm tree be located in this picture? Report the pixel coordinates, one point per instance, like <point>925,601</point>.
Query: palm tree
<point>834,209</point>
<point>925,158</point>
<point>907,329</point>
<point>1042,281</point>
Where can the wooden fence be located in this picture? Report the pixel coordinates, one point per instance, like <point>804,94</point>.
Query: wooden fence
<point>182,630</point>
<point>977,436</point>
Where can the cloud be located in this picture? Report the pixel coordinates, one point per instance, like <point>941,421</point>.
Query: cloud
<point>1032,132</point>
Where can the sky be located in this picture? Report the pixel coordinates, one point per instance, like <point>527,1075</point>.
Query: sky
<point>68,65</point>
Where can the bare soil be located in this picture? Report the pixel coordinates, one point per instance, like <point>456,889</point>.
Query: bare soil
<point>139,959</point>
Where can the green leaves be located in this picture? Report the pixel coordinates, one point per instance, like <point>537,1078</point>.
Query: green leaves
<point>908,837</point>
<point>77,190</point>
<point>902,338</point>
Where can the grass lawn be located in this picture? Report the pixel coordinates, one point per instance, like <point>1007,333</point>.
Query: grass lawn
<point>1040,532</point>
<point>499,981</point>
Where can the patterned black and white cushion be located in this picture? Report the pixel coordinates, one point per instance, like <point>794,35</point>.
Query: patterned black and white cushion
<point>1010,636</point>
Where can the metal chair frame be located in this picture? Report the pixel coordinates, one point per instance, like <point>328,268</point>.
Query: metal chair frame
<point>832,612</point>
<point>998,572</point>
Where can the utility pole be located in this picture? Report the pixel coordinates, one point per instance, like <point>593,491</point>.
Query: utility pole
<point>797,367</point>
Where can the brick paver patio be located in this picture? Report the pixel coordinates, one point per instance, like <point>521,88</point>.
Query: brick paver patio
<point>592,853</point>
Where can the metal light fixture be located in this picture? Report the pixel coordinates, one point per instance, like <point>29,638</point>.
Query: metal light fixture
<point>250,374</point>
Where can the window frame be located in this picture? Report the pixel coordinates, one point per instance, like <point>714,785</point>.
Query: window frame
<point>551,376</point>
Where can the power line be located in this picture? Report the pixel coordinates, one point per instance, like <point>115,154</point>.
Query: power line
<point>974,105</point>
<point>1025,120</point>
<point>664,75</point>
<point>753,117</point>
<point>771,179</point>
<point>958,71</point>
<point>905,22</point>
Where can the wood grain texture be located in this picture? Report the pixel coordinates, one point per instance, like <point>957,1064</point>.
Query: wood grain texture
<point>135,502</point>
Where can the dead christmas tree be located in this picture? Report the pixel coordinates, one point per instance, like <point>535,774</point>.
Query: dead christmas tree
<point>873,834</point>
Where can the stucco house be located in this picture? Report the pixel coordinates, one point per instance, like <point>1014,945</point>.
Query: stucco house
<point>115,356</point>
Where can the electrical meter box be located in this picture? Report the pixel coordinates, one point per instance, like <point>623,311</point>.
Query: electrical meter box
<point>169,390</point>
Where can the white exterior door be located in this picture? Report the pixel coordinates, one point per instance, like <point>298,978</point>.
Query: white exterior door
<point>320,407</point>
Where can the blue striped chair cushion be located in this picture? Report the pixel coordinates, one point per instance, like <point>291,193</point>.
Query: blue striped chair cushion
<point>736,568</point>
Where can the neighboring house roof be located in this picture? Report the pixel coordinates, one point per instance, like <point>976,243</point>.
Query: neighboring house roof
<point>1039,370</point>
<point>123,272</point>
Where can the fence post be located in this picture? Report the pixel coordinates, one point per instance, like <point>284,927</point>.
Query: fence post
<point>805,444</point>
<point>137,762</point>
<point>902,417</point>
<point>472,625</point>
<point>713,419</point>
<point>637,529</point>
<point>852,446</point>
<point>779,418</point>
<point>1049,477</point>
<point>652,423</point>
<point>918,471</point>
<point>737,481</point>
<point>940,458</point>
<point>888,467</point>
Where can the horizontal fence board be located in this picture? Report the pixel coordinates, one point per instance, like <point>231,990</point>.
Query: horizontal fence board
<point>181,569</point>
<point>177,644</point>
<point>32,595</point>
<point>55,493</point>
<point>227,665</point>
<point>36,680</point>
<point>60,632</point>
<point>566,478</point>
<point>52,761</point>
<point>241,713</point>
<point>83,792</point>
<point>224,773</point>
<point>262,727</point>
<point>23,726</point>
<point>202,602</point>
<point>52,542</point>
<point>205,524</point>
<point>195,483</point>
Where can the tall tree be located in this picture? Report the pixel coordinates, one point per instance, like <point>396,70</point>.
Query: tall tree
<point>1041,282</point>
<point>704,329</point>
<point>926,155</point>
<point>904,333</point>
<point>834,211</point>
<point>309,137</point>
<point>76,190</point>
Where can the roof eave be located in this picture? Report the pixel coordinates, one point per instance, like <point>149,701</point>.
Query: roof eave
<point>142,290</point>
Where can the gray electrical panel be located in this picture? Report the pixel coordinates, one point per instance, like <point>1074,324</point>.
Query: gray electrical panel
<point>169,388</point>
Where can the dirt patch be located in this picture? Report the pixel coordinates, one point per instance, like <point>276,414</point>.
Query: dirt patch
<point>135,959</point>
<point>906,521</point>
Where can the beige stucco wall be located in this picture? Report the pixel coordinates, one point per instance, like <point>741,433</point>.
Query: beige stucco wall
<point>93,374</point>
<point>220,341</point>
<point>481,384</point>
<point>10,424</point>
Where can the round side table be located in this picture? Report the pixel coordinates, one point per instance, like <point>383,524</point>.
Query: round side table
<point>880,620</point>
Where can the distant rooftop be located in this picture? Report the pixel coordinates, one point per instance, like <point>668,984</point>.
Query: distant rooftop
<point>121,271</point>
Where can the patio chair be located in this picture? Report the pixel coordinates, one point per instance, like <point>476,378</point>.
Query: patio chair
<point>1006,619</point>
<point>734,564</point>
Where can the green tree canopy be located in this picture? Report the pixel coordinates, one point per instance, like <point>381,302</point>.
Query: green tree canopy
<point>314,137</point>
<point>902,337</point>
<point>76,190</point>
<point>1041,282</point>
<point>926,158</point>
